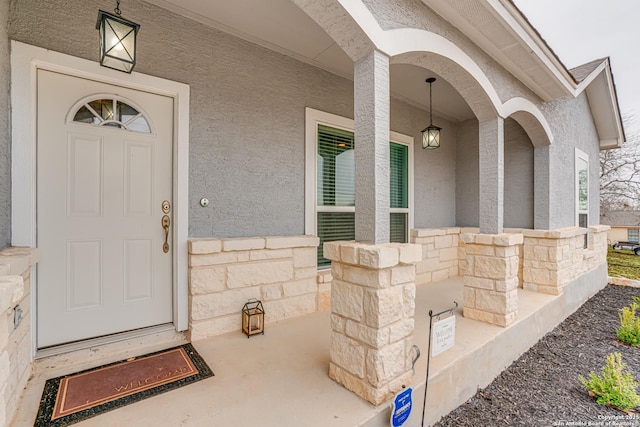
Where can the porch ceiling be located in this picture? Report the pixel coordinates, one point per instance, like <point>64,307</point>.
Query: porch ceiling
<point>281,26</point>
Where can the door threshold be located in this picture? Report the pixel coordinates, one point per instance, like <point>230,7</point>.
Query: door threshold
<point>103,340</point>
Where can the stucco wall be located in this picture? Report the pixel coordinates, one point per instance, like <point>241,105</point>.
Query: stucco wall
<point>5,128</point>
<point>467,164</point>
<point>518,173</point>
<point>247,121</point>
<point>570,120</point>
<point>247,115</point>
<point>572,126</point>
<point>518,177</point>
<point>415,14</point>
<point>434,170</point>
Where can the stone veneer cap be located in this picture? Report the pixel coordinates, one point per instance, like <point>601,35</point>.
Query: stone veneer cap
<point>204,246</point>
<point>560,233</point>
<point>504,239</point>
<point>303,241</point>
<point>378,256</point>
<point>428,232</point>
<point>243,244</point>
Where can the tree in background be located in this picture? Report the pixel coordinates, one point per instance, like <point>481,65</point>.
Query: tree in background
<point>620,171</point>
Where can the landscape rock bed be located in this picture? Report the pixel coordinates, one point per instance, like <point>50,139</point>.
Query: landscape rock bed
<point>541,388</point>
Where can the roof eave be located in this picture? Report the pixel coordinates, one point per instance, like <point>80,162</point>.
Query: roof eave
<point>547,77</point>
<point>603,102</point>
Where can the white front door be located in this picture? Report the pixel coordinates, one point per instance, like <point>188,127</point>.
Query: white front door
<point>104,209</point>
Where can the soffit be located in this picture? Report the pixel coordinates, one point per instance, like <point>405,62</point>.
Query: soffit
<point>281,26</point>
<point>501,30</point>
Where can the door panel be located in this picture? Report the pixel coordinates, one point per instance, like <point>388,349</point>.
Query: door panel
<point>99,212</point>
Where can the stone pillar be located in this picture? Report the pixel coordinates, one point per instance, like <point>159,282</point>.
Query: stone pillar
<point>371,112</point>
<point>491,153</point>
<point>553,258</point>
<point>372,316</point>
<point>491,277</point>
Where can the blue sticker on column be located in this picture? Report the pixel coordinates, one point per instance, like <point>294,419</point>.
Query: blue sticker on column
<point>401,407</point>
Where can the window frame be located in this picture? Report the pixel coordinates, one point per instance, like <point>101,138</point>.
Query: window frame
<point>636,232</point>
<point>115,99</point>
<point>313,118</point>
<point>580,155</point>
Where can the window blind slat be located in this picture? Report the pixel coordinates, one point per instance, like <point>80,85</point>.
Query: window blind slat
<point>398,232</point>
<point>334,226</point>
<point>335,186</point>
<point>399,178</point>
<point>336,167</point>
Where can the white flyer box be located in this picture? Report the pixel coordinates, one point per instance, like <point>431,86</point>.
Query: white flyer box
<point>444,335</point>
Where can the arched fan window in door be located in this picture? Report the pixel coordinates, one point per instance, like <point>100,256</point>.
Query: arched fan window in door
<point>112,112</point>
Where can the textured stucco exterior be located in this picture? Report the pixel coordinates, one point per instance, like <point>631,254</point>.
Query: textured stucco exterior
<point>246,119</point>
<point>518,176</point>
<point>467,187</point>
<point>5,128</point>
<point>247,123</point>
<point>415,14</point>
<point>573,127</point>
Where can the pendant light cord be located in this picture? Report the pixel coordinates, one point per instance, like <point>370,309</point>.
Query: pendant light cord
<point>430,106</point>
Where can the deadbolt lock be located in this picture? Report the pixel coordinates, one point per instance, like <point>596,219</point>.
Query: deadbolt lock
<point>166,207</point>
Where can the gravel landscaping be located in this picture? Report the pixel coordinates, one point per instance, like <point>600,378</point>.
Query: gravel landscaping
<point>541,388</point>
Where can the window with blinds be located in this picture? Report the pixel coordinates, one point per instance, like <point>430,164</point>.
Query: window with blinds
<point>582,192</point>
<point>335,188</point>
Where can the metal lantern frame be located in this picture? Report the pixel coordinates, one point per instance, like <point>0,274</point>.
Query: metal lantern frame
<point>253,318</point>
<point>118,41</point>
<point>431,134</point>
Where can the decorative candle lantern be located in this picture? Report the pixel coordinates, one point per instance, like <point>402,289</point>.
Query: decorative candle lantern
<point>253,318</point>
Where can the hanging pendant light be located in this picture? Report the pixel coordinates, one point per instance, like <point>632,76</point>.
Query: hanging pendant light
<point>117,40</point>
<point>431,134</point>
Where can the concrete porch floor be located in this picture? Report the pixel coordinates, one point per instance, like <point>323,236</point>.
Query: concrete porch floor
<point>281,378</point>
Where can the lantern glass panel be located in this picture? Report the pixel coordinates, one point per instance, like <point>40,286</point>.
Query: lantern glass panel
<point>117,42</point>
<point>431,137</point>
<point>253,318</point>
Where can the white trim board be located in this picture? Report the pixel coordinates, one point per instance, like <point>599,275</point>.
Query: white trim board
<point>312,119</point>
<point>25,61</point>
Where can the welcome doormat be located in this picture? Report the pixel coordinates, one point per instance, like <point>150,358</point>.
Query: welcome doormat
<point>73,398</point>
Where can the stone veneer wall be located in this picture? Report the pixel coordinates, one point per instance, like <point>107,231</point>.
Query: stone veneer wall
<point>442,255</point>
<point>554,258</point>
<point>15,342</point>
<point>225,273</point>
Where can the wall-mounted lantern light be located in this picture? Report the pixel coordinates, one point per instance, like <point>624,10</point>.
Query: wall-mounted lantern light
<point>117,40</point>
<point>431,134</point>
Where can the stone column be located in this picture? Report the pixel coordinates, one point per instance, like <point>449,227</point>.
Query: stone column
<point>491,277</point>
<point>491,152</point>
<point>372,316</point>
<point>553,258</point>
<point>371,112</point>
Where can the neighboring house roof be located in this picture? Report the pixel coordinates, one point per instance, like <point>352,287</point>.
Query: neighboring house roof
<point>620,218</point>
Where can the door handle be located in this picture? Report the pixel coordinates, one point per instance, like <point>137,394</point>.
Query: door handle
<point>165,224</point>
